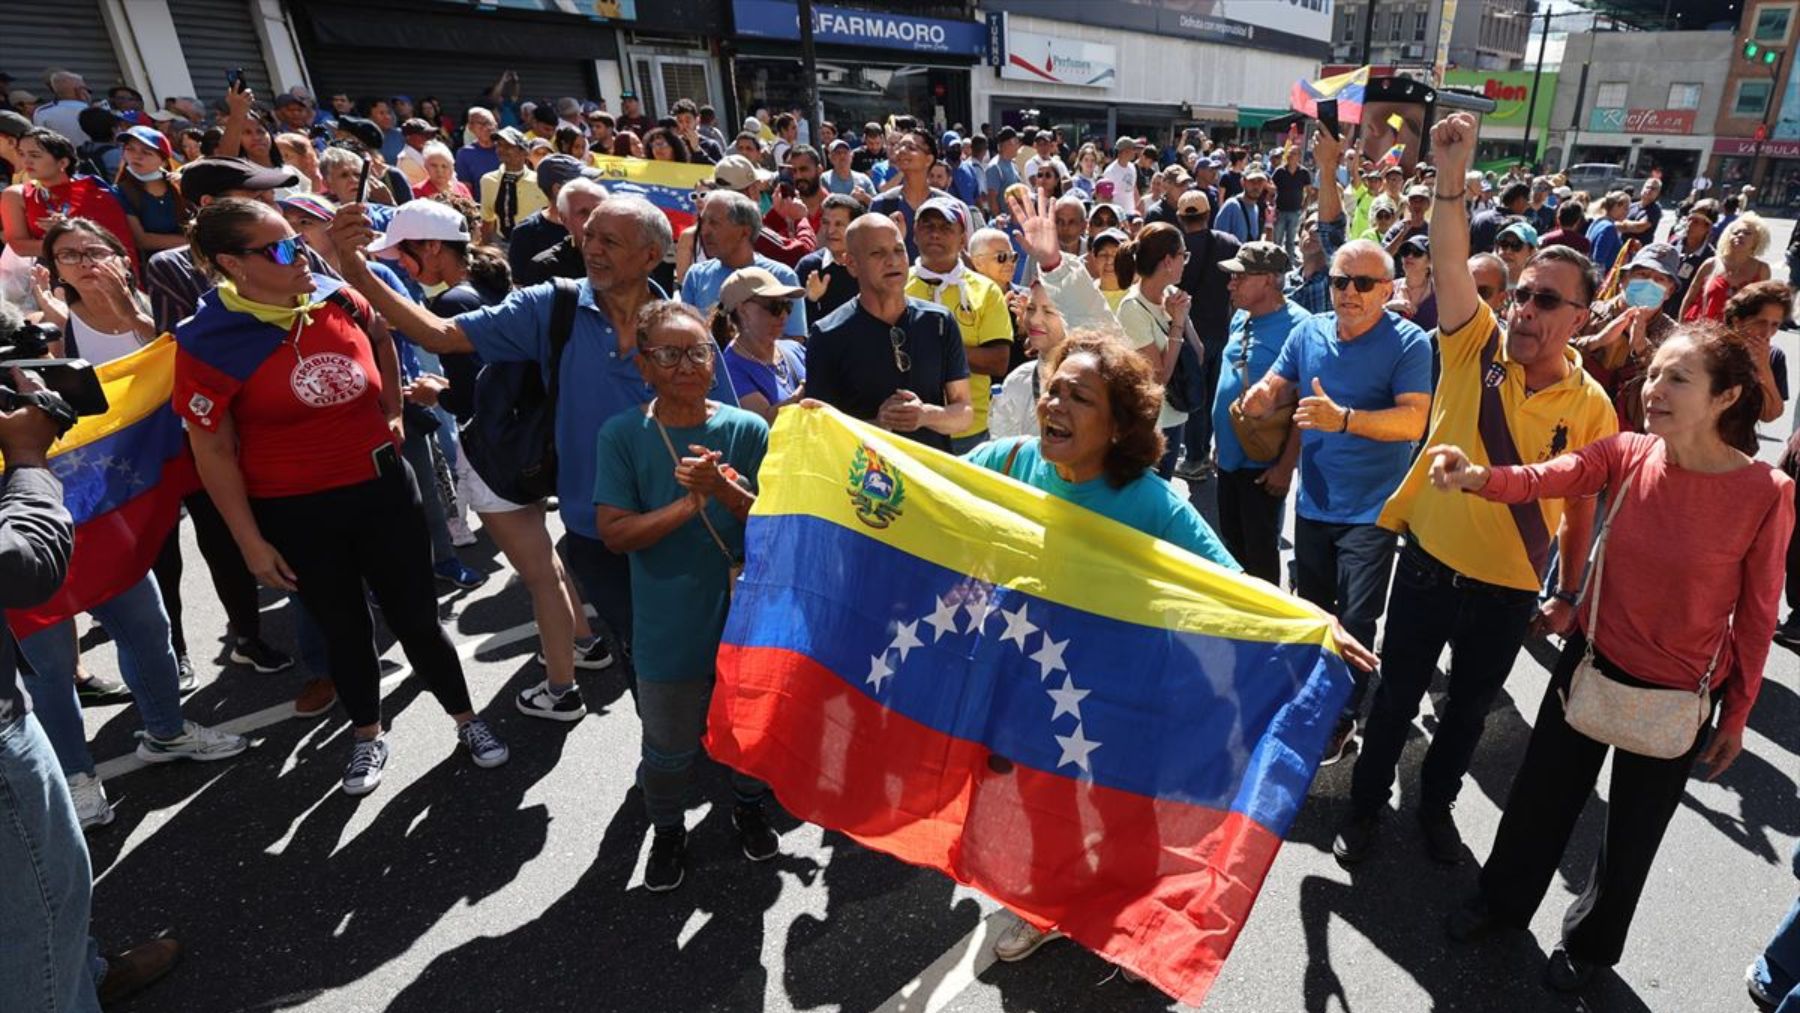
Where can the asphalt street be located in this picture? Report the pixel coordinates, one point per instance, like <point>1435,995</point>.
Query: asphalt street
<point>520,888</point>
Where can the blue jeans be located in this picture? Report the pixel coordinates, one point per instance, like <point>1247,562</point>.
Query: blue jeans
<point>1432,605</point>
<point>1344,569</point>
<point>1287,231</point>
<point>1778,969</point>
<point>48,962</point>
<point>139,628</point>
<point>1165,468</point>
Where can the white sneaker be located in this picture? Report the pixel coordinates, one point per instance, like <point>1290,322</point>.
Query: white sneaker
<point>91,805</point>
<point>367,761</point>
<point>196,742</point>
<point>1021,940</point>
<point>460,535</point>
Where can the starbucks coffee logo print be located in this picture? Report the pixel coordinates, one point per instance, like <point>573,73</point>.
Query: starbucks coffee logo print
<point>327,379</point>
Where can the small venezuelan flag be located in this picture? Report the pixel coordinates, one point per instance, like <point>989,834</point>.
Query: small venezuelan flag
<point>1101,731</point>
<point>1347,89</point>
<point>124,475</point>
<point>668,185</point>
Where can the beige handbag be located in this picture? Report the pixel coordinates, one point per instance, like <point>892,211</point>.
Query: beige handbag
<point>1658,723</point>
<point>1263,439</point>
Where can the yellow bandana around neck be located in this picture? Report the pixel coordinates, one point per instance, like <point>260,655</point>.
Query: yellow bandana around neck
<point>277,316</point>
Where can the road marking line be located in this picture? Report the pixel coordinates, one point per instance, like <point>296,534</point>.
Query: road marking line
<point>119,766</point>
<point>952,972</point>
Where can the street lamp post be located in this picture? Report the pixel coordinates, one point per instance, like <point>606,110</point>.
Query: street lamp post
<point>1537,76</point>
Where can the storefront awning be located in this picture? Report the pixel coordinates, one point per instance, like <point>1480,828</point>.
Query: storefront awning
<point>1253,118</point>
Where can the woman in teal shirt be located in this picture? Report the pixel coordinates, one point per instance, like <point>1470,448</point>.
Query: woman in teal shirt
<point>1098,448</point>
<point>674,483</point>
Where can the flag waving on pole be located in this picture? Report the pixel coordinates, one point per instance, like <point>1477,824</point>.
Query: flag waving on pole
<point>1101,731</point>
<point>1346,88</point>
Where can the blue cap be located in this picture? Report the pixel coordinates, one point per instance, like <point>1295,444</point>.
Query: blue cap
<point>1524,230</point>
<point>951,208</point>
<point>950,139</point>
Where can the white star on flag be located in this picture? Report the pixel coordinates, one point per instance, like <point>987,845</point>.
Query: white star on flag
<point>1068,700</point>
<point>1050,657</point>
<point>906,637</point>
<point>879,672</point>
<point>943,619</point>
<point>1075,749</point>
<point>977,607</point>
<point>1018,627</point>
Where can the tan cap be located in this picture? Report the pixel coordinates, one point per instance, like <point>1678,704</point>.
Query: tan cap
<point>754,283</point>
<point>735,172</point>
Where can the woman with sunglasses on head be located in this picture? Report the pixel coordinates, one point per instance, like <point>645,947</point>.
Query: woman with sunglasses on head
<point>53,190</point>
<point>1414,298</point>
<point>767,370</point>
<point>1691,481</point>
<point>675,481</point>
<point>158,213</point>
<point>290,387</point>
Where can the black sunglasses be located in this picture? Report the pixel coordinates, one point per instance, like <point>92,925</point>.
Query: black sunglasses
<point>1510,245</point>
<point>1363,282</point>
<point>775,307</point>
<point>1544,299</point>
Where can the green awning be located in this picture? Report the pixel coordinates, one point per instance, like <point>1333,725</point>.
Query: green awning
<point>1253,118</point>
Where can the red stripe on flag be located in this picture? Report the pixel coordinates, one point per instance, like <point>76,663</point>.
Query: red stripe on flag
<point>1160,887</point>
<point>114,550</point>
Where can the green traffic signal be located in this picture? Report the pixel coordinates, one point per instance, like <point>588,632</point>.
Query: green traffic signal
<point>1750,50</point>
<point>1769,56</point>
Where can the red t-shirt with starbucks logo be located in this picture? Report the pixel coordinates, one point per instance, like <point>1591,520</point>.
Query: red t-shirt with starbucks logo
<point>308,416</point>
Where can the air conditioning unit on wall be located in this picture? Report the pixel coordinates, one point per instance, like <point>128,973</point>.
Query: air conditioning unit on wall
<point>1416,51</point>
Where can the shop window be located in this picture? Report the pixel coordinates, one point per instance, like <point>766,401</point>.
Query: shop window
<point>1772,23</point>
<point>1684,96</point>
<point>1396,26</point>
<point>1611,95</point>
<point>1752,98</point>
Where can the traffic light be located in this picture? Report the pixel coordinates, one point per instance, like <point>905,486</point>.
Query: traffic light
<point>1751,50</point>
<point>1769,56</point>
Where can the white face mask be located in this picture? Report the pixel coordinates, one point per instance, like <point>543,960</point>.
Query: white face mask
<point>146,177</point>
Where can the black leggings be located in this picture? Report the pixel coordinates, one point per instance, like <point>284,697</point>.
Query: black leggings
<point>231,579</point>
<point>371,533</point>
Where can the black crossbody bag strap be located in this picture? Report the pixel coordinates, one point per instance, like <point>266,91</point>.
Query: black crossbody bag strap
<point>1497,440</point>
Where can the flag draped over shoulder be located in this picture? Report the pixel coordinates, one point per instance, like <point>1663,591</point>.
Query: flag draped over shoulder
<point>668,185</point>
<point>1346,88</point>
<point>124,474</point>
<point>1101,731</point>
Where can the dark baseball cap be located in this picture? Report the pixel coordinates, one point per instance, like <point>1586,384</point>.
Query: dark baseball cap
<point>283,100</point>
<point>363,130</point>
<point>510,135</point>
<point>210,177</point>
<point>1258,257</point>
<point>417,126</point>
<point>556,170</point>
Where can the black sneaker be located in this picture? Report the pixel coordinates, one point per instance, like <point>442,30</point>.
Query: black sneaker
<point>1443,842</point>
<point>1568,974</point>
<point>667,865</point>
<point>1788,633</point>
<point>1472,922</point>
<point>592,655</point>
<point>755,837</point>
<point>1356,837</point>
<point>264,659</point>
<point>98,689</point>
<point>1340,743</point>
<point>185,679</point>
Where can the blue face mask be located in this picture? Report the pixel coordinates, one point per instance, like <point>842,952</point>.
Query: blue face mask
<point>145,177</point>
<point>1644,292</point>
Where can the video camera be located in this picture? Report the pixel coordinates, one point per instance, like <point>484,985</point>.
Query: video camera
<point>26,346</point>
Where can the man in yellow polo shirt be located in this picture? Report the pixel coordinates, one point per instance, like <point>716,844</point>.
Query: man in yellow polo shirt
<point>509,194</point>
<point>940,276</point>
<point>1471,568</point>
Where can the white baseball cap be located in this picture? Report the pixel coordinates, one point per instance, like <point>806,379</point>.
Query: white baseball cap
<point>423,219</point>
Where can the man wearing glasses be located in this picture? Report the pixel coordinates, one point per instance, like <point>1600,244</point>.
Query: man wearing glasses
<point>885,358</point>
<point>977,304</point>
<point>1470,570</point>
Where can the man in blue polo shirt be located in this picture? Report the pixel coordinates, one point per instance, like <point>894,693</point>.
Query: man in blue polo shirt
<point>476,160</point>
<point>1362,376</point>
<point>729,225</point>
<point>624,240</point>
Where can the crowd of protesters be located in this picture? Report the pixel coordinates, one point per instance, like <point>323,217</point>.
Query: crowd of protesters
<point>1464,382</point>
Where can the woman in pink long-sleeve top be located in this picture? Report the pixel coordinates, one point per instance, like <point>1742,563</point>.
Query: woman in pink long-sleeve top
<point>1694,566</point>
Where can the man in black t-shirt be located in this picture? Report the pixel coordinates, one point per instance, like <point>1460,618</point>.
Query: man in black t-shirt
<point>1290,182</point>
<point>828,281</point>
<point>885,358</point>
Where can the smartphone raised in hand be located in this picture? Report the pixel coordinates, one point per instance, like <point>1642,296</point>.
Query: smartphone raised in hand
<point>234,79</point>
<point>362,181</point>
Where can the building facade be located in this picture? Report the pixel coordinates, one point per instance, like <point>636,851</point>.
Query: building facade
<point>1757,133</point>
<point>1149,70</point>
<point>1458,34</point>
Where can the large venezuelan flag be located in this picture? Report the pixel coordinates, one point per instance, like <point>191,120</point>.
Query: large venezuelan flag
<point>668,185</point>
<point>1346,88</point>
<point>1101,731</point>
<point>124,475</point>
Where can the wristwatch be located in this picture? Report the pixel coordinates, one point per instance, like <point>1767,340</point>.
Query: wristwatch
<point>1565,596</point>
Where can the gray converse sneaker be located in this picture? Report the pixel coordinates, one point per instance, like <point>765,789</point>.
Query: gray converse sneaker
<point>91,805</point>
<point>485,748</point>
<point>1021,940</point>
<point>196,742</point>
<point>367,761</point>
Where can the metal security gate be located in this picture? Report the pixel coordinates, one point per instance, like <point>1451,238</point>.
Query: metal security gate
<point>67,35</point>
<point>218,36</point>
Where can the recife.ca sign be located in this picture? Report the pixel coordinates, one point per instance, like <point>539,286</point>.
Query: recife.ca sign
<point>1510,90</point>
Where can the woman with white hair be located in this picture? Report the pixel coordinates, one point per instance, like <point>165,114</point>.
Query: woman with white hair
<point>440,173</point>
<point>1737,264</point>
